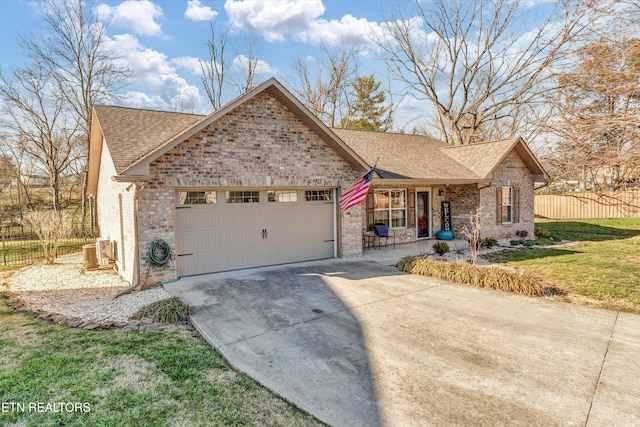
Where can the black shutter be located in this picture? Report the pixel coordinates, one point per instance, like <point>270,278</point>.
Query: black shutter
<point>412,208</point>
<point>369,213</point>
<point>499,205</point>
<point>516,204</point>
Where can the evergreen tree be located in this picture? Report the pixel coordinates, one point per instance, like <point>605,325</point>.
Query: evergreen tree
<point>367,111</point>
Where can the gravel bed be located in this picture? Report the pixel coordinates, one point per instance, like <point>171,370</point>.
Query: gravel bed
<point>63,289</point>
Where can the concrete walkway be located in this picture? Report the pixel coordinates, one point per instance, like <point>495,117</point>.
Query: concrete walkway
<point>357,343</point>
<point>388,255</point>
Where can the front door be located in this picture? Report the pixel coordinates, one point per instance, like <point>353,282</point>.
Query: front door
<point>422,207</point>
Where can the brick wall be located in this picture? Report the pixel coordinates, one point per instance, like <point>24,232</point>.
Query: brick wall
<point>463,198</point>
<point>260,144</point>
<point>511,172</point>
<point>466,198</point>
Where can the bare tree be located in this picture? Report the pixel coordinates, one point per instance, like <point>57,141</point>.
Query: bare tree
<point>324,89</point>
<point>597,115</point>
<point>21,165</point>
<point>224,78</point>
<point>74,52</point>
<point>475,64</point>
<point>248,65</point>
<point>36,113</point>
<point>214,68</point>
<point>472,233</point>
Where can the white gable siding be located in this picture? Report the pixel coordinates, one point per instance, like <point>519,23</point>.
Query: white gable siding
<point>115,214</point>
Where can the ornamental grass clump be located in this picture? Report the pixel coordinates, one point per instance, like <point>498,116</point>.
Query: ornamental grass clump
<point>492,277</point>
<point>170,310</point>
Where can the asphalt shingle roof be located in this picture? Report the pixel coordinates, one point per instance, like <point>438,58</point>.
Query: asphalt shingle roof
<point>481,158</point>
<point>132,133</point>
<point>422,157</point>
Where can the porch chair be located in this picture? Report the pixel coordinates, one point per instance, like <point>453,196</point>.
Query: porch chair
<point>384,232</point>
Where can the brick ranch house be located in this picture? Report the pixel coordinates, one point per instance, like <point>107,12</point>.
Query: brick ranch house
<point>257,183</point>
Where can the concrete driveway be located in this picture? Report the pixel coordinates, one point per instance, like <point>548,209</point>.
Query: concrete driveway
<point>357,343</point>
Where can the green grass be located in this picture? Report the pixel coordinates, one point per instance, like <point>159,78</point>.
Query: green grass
<point>152,378</point>
<point>602,269</point>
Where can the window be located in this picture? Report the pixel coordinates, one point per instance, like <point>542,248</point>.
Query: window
<point>243,196</point>
<point>317,195</point>
<point>196,197</point>
<point>507,205</point>
<point>282,196</point>
<point>390,207</point>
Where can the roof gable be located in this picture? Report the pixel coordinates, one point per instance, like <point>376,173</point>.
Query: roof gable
<point>274,88</point>
<point>484,158</point>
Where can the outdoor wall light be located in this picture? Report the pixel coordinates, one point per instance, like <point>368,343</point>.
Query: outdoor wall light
<point>441,192</point>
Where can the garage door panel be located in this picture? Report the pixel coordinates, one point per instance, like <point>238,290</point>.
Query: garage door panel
<point>224,236</point>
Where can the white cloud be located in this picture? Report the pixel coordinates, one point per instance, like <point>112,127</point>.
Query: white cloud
<point>351,31</point>
<point>190,63</point>
<point>154,73</point>
<point>142,100</point>
<point>262,67</point>
<point>274,19</point>
<point>138,16</point>
<point>196,12</point>
<point>300,20</point>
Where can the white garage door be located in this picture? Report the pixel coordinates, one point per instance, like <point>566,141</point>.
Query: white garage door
<point>229,230</point>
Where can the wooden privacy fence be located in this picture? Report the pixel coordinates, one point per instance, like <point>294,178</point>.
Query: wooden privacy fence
<point>588,205</point>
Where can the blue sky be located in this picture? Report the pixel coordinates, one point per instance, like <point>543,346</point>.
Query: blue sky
<point>162,40</point>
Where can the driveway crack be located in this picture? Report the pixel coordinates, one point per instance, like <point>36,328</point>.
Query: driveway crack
<point>604,359</point>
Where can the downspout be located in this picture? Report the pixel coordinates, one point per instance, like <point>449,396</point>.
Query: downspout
<point>482,188</point>
<point>135,280</point>
<point>546,184</point>
<point>136,261</point>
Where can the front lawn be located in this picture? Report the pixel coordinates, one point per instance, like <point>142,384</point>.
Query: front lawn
<point>74,377</point>
<point>602,269</point>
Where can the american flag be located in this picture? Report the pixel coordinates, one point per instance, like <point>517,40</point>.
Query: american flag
<point>357,193</point>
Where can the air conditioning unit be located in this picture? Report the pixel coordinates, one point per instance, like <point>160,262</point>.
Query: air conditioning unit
<point>104,251</point>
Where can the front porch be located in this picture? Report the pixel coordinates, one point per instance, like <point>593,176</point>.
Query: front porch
<point>389,256</point>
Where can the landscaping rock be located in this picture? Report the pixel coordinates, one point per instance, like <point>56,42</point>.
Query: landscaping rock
<point>61,294</point>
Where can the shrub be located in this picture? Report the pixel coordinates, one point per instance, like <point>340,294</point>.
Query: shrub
<point>170,310</point>
<point>489,242</point>
<point>405,263</point>
<point>516,242</point>
<point>493,277</point>
<point>51,231</point>
<point>544,241</point>
<point>441,248</point>
<point>540,231</point>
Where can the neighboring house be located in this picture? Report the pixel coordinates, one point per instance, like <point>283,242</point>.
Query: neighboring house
<point>257,183</point>
<point>35,180</point>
